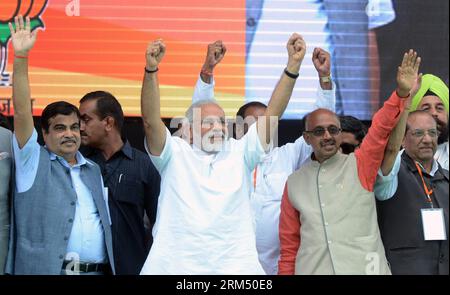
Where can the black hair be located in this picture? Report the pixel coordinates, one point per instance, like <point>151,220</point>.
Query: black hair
<point>243,109</point>
<point>107,105</point>
<point>353,125</point>
<point>4,122</point>
<point>57,108</point>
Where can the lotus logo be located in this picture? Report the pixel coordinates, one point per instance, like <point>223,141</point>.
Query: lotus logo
<point>8,10</point>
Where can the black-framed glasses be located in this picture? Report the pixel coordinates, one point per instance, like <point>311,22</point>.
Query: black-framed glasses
<point>320,131</point>
<point>420,133</point>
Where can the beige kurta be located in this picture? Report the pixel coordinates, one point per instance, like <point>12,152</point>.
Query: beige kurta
<point>339,229</point>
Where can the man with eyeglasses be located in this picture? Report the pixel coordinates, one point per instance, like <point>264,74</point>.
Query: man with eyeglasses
<point>271,173</point>
<point>413,199</point>
<point>204,223</point>
<point>429,94</point>
<point>432,97</point>
<point>329,204</point>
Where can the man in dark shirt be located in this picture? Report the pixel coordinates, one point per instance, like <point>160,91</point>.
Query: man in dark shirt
<point>131,179</point>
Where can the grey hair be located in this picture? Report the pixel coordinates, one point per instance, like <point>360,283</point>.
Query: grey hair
<point>190,111</point>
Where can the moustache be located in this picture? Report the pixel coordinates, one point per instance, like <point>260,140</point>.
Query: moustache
<point>68,140</point>
<point>440,122</point>
<point>215,134</point>
<point>327,142</point>
<point>425,146</point>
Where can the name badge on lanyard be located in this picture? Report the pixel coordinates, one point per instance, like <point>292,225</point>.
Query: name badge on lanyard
<point>433,221</point>
<point>433,224</point>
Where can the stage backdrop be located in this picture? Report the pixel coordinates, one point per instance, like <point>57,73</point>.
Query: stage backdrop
<point>100,44</point>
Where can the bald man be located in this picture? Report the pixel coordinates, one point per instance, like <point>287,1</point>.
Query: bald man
<point>329,205</point>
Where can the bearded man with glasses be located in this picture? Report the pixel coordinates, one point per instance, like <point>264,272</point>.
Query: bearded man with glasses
<point>329,205</point>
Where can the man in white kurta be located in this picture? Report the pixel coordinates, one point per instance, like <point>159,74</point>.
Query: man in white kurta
<point>270,175</point>
<point>219,237</point>
<point>204,223</point>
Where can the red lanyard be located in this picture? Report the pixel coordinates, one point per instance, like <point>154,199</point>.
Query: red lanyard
<point>427,191</point>
<point>255,173</point>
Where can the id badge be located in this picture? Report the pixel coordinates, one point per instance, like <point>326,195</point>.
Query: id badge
<point>433,224</point>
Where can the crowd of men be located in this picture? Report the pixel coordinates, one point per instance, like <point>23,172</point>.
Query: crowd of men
<point>341,199</point>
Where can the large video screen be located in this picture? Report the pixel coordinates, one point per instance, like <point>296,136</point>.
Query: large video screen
<point>92,45</point>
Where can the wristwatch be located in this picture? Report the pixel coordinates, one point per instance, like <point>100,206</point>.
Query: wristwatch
<point>326,79</point>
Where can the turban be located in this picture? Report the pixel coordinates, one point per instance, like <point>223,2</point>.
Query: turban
<point>433,84</point>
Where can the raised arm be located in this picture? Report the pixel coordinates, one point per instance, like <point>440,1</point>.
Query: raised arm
<point>216,52</point>
<point>23,40</point>
<point>204,89</point>
<point>296,48</point>
<point>321,61</point>
<point>155,130</point>
<point>370,154</point>
<point>326,94</point>
<point>397,135</point>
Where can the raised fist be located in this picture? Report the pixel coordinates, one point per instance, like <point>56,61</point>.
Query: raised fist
<point>296,47</point>
<point>215,54</point>
<point>321,61</point>
<point>155,53</point>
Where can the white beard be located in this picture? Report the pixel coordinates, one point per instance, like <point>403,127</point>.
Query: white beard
<point>215,146</point>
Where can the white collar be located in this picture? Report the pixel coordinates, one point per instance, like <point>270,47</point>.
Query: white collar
<point>434,168</point>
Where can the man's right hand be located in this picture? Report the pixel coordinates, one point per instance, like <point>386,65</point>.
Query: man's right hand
<point>416,86</point>
<point>21,36</point>
<point>407,73</point>
<point>216,52</point>
<point>321,61</point>
<point>296,48</point>
<point>154,54</point>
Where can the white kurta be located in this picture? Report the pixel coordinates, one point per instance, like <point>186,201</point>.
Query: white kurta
<point>204,221</point>
<point>441,155</point>
<point>271,175</point>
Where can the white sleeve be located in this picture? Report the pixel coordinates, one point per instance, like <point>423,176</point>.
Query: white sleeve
<point>203,91</point>
<point>26,160</point>
<point>380,13</point>
<point>162,160</point>
<point>294,154</point>
<point>326,99</point>
<point>253,149</point>
<point>386,186</point>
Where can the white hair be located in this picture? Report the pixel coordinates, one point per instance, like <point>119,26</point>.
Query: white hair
<point>190,111</point>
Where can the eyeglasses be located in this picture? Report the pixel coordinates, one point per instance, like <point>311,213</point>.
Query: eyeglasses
<point>320,131</point>
<point>419,133</point>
